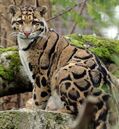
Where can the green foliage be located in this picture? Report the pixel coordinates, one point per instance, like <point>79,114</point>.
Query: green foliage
<point>96,7</point>
<point>7,49</point>
<point>93,12</point>
<point>64,3</point>
<point>91,18</point>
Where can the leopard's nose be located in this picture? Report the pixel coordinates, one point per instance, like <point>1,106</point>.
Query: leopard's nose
<point>27,33</point>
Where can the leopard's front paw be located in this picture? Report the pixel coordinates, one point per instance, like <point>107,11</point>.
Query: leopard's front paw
<point>29,104</point>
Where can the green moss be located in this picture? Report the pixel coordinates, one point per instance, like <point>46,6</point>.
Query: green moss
<point>7,49</point>
<point>104,48</point>
<point>5,73</point>
<point>10,72</point>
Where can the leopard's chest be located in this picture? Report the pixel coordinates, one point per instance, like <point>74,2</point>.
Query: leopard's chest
<point>25,62</point>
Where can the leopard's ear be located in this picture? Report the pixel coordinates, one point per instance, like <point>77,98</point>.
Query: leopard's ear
<point>43,10</point>
<point>12,9</point>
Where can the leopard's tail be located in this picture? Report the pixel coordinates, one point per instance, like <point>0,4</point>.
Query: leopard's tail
<point>114,81</point>
<point>83,119</point>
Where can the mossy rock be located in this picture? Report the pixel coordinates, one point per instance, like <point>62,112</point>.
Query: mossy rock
<point>10,63</point>
<point>8,49</point>
<point>29,119</point>
<point>104,48</point>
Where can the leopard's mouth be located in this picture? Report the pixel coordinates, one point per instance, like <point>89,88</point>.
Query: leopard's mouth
<point>33,35</point>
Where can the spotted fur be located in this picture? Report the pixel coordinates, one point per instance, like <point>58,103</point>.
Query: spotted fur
<point>57,68</point>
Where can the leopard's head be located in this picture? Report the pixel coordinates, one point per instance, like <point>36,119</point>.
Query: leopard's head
<point>28,21</point>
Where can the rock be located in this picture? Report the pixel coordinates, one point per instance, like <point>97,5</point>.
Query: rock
<point>31,119</point>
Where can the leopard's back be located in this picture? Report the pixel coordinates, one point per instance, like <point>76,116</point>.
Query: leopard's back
<point>79,77</point>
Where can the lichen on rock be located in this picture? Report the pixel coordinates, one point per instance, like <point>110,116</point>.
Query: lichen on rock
<point>29,119</point>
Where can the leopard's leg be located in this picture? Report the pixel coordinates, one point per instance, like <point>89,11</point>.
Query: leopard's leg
<point>56,105</point>
<point>41,94</point>
<point>68,97</point>
<point>101,113</point>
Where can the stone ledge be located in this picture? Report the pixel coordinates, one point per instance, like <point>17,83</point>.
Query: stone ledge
<point>29,119</point>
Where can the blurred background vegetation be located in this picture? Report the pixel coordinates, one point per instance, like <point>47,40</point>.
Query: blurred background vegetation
<point>93,18</point>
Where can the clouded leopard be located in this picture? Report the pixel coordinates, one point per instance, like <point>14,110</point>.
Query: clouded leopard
<point>55,67</point>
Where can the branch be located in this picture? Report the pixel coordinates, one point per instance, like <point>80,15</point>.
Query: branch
<point>65,11</point>
<point>13,79</point>
<point>80,13</point>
